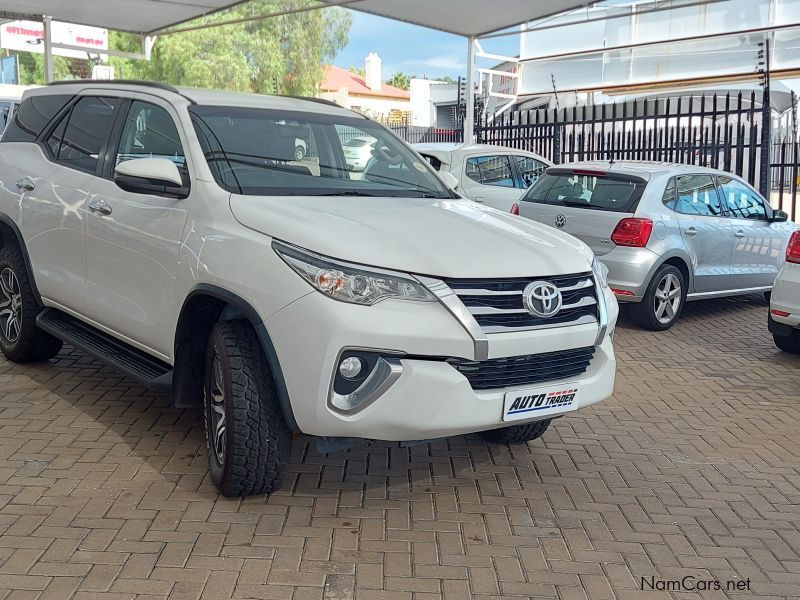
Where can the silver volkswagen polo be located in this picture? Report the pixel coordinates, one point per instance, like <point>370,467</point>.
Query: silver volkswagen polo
<point>668,233</point>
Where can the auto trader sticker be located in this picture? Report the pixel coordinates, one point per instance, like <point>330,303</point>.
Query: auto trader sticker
<point>534,403</point>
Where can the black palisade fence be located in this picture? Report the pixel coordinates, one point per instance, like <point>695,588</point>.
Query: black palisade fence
<point>722,131</point>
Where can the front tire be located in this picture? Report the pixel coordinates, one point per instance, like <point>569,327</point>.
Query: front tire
<point>517,434</point>
<point>21,340</point>
<point>663,302</point>
<point>248,440</point>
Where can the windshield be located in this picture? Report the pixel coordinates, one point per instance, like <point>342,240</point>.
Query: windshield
<point>254,151</point>
<point>583,189</point>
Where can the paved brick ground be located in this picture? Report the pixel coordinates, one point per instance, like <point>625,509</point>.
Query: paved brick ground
<point>691,469</point>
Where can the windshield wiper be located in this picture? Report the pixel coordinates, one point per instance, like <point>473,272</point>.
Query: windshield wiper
<point>346,193</point>
<point>582,205</point>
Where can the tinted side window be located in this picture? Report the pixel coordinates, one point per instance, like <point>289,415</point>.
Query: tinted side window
<point>472,170</point>
<point>53,140</point>
<point>670,198</point>
<point>89,122</point>
<point>697,195</point>
<point>494,170</point>
<point>150,132</point>
<point>530,170</point>
<point>32,116</point>
<point>741,201</point>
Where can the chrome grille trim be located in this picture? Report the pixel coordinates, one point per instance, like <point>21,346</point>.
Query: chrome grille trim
<point>496,304</point>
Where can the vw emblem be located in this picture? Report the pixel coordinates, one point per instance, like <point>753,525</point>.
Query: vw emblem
<point>542,299</point>
<point>560,221</point>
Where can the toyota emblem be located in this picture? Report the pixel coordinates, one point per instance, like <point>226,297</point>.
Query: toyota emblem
<point>560,221</point>
<point>542,299</point>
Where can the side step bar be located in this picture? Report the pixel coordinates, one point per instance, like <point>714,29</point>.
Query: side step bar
<point>146,369</point>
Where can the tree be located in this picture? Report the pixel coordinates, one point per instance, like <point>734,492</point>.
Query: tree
<point>358,71</point>
<point>280,55</point>
<point>401,80</point>
<point>31,67</point>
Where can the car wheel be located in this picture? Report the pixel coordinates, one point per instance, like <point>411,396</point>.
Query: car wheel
<point>516,434</point>
<point>248,440</point>
<point>20,339</point>
<point>788,343</point>
<point>663,302</point>
<point>299,153</point>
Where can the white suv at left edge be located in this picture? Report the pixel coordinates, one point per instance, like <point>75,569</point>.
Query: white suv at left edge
<point>784,310</point>
<point>173,234</point>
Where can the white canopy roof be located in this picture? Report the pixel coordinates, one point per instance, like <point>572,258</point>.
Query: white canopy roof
<point>460,17</point>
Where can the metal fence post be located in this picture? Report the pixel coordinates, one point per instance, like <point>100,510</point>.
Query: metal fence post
<point>766,127</point>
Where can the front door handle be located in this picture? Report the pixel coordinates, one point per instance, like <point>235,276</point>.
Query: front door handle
<point>740,234</point>
<point>99,207</point>
<point>26,184</point>
<point>691,231</point>
<point>479,199</point>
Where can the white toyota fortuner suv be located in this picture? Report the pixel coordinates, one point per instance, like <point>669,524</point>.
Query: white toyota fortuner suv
<point>176,235</point>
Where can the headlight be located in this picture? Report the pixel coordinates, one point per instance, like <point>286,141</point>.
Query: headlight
<point>600,272</point>
<point>352,283</point>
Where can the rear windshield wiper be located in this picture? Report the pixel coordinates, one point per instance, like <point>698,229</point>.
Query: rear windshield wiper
<point>581,205</point>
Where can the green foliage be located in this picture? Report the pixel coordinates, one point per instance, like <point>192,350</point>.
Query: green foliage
<point>401,80</point>
<point>283,55</point>
<point>31,67</point>
<point>358,71</point>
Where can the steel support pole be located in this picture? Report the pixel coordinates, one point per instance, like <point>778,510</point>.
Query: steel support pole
<point>48,50</point>
<point>469,120</point>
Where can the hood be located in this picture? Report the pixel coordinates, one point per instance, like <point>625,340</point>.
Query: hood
<point>440,238</point>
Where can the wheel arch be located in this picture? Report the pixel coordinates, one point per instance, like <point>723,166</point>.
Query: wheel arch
<point>682,265</point>
<point>10,235</point>
<point>205,305</point>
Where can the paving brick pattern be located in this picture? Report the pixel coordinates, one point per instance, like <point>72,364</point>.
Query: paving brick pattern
<point>690,469</point>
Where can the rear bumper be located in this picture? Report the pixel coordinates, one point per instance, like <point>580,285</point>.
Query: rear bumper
<point>786,297</point>
<point>629,271</point>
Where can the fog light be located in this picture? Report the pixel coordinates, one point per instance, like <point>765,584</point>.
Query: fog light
<point>350,367</point>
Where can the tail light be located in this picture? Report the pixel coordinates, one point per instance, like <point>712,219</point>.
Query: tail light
<point>515,209</point>
<point>793,250</point>
<point>632,232</point>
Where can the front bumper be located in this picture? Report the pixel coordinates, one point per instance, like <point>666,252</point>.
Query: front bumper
<point>786,296</point>
<point>430,398</point>
<point>629,270</point>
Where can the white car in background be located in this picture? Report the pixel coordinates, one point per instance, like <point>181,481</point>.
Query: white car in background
<point>358,152</point>
<point>784,310</point>
<point>493,175</point>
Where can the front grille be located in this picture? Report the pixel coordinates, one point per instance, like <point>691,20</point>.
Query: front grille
<point>524,370</point>
<point>496,304</point>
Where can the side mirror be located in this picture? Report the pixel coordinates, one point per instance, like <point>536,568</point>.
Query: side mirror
<point>158,176</point>
<point>450,180</point>
<point>779,216</point>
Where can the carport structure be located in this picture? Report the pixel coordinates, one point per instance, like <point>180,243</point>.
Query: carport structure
<point>149,18</point>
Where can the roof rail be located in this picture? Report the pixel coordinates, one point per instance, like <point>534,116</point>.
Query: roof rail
<point>312,99</point>
<point>155,84</point>
<point>152,84</point>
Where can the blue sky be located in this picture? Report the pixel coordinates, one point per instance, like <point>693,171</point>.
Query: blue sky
<point>411,49</point>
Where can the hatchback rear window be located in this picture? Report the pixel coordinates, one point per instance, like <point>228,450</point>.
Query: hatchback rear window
<point>611,192</point>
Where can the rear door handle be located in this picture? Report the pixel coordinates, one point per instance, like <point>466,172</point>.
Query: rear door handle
<point>740,234</point>
<point>26,184</point>
<point>99,207</point>
<point>691,231</point>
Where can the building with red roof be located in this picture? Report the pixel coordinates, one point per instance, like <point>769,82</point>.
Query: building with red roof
<point>366,93</point>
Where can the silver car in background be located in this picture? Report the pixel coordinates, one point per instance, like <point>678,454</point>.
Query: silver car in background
<point>492,175</point>
<point>668,233</point>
